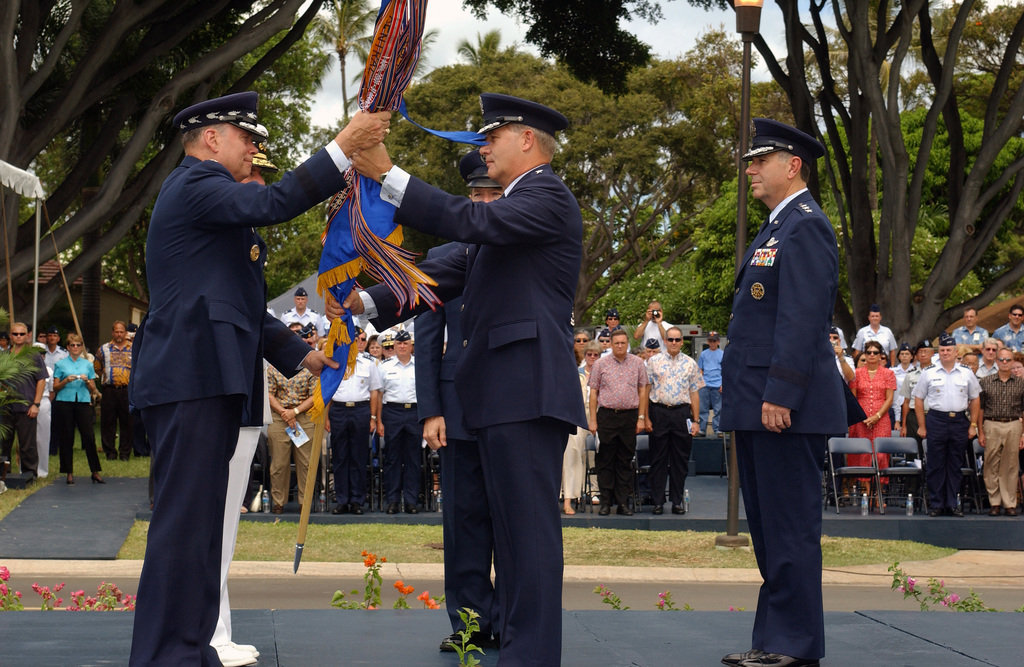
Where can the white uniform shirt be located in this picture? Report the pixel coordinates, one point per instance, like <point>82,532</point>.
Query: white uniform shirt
<point>652,331</point>
<point>364,379</point>
<point>884,336</point>
<point>901,375</point>
<point>305,318</point>
<point>399,380</point>
<point>947,391</point>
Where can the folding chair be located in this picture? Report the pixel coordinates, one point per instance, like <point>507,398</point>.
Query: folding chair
<point>904,477</point>
<point>590,466</point>
<point>970,485</point>
<point>431,479</point>
<point>849,446</point>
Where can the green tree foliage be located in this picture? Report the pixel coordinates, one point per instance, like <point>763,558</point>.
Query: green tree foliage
<point>90,87</point>
<point>346,27</point>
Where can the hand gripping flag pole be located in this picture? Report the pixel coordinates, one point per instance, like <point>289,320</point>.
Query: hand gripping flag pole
<point>361,233</point>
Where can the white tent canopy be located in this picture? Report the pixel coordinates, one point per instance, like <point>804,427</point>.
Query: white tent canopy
<point>26,185</point>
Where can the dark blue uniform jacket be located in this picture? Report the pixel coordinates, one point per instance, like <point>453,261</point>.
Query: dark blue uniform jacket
<point>519,273</point>
<point>208,329</point>
<point>775,352</point>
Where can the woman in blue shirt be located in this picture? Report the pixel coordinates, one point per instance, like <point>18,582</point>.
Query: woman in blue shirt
<point>73,381</point>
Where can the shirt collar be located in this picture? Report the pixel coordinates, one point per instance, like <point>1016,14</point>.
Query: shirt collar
<point>782,204</point>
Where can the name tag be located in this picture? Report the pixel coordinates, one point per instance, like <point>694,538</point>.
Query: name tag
<point>764,257</point>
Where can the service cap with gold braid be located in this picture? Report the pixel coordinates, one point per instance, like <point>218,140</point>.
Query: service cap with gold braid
<point>771,136</point>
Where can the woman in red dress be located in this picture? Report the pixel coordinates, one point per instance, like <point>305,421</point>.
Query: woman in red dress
<point>874,386</point>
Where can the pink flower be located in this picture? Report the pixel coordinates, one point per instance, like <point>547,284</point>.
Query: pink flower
<point>901,589</point>
<point>910,584</point>
<point>5,574</point>
<point>732,608</point>
<point>3,589</point>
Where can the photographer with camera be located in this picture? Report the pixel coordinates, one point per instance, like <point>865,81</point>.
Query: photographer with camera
<point>653,326</point>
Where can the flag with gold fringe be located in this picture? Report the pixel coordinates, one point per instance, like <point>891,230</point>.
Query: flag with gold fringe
<point>361,234</point>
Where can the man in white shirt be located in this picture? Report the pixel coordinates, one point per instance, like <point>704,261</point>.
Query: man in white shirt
<point>875,331</point>
<point>653,326</point>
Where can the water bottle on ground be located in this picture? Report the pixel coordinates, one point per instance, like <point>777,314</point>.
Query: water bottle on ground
<point>959,504</point>
<point>686,500</point>
<point>438,500</point>
<point>266,501</point>
<point>864,505</point>
<point>323,501</point>
<point>910,504</point>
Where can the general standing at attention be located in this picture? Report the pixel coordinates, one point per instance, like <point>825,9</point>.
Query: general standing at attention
<point>516,378</point>
<point>197,357</point>
<point>782,396</point>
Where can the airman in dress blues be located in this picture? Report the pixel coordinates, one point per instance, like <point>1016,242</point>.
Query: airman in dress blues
<point>516,376</point>
<point>197,357</point>
<point>782,396</point>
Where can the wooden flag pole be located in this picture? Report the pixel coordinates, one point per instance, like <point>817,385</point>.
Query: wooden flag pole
<point>307,502</point>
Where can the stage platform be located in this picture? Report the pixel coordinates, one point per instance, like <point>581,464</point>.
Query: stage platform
<point>589,638</point>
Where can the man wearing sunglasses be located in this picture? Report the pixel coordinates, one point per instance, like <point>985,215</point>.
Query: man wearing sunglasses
<point>20,418</point>
<point>1012,333</point>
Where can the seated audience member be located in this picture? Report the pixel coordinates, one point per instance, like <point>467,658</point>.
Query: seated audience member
<point>987,365</point>
<point>1012,333</point>
<point>970,333</point>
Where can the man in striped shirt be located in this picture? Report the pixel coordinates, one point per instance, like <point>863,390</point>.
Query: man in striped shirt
<point>114,367</point>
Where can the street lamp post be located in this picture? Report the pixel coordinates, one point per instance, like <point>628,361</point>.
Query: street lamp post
<point>748,22</point>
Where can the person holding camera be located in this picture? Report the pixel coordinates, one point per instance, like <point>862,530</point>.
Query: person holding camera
<point>653,326</point>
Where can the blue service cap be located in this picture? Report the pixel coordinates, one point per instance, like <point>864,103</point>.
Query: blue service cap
<point>611,312</point>
<point>301,291</point>
<point>652,344</point>
<point>605,333</point>
<point>52,330</point>
<point>771,136</point>
<point>903,346</point>
<point>875,308</point>
<point>403,336</point>
<point>924,343</point>
<point>474,171</point>
<point>308,330</point>
<point>238,109</point>
<point>504,109</point>
<point>945,340</point>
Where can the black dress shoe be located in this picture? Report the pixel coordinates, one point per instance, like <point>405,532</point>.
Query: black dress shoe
<point>411,509</point>
<point>935,512</point>
<point>392,508</point>
<point>355,508</point>
<point>678,509</point>
<point>340,508</point>
<point>658,510</point>
<point>778,660</point>
<point>605,510</point>
<point>624,511</point>
<point>479,639</point>
<point>956,512</point>
<point>734,659</point>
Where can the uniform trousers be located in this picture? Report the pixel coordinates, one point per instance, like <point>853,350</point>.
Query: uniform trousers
<point>238,479</point>
<point>780,476</point>
<point>67,416</point>
<point>350,451</point>
<point>671,444</point>
<point>710,399</point>
<point>24,427</point>
<point>947,445</point>
<point>616,430</point>
<point>468,536</point>
<point>43,420</point>
<point>179,589</point>
<point>140,442</point>
<point>403,453</point>
<point>1002,441</point>
<point>114,413</point>
<point>521,465</point>
<point>282,450</point>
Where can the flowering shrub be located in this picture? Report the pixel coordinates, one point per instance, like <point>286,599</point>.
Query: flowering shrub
<point>50,600</point>
<point>610,598</point>
<point>372,592</point>
<point>937,593</point>
<point>665,603</point>
<point>10,600</point>
<point>108,598</point>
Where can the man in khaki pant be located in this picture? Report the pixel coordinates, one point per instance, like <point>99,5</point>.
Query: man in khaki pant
<point>289,401</point>
<point>1002,407</point>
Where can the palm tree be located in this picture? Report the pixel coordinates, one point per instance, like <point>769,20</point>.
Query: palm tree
<point>486,48</point>
<point>348,28</point>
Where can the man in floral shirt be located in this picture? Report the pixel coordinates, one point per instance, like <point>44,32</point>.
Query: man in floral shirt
<point>672,419</point>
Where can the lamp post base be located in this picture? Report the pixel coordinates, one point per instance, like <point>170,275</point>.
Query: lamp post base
<point>732,542</point>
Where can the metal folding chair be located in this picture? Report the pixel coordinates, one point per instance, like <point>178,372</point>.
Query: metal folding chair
<point>970,486</point>
<point>590,468</point>
<point>641,466</point>
<point>904,477</point>
<point>849,446</point>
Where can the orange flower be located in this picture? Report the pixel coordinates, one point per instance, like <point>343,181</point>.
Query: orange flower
<point>424,596</point>
<point>384,559</point>
<point>432,604</point>
<point>408,589</point>
<point>399,585</point>
<point>371,560</point>
<point>364,554</point>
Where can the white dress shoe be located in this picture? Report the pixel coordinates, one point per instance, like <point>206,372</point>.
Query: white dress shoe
<point>232,657</point>
<point>246,648</point>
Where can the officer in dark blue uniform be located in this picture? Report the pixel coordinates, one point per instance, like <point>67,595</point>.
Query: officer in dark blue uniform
<point>782,396</point>
<point>516,378</point>
<point>468,533</point>
<point>197,358</point>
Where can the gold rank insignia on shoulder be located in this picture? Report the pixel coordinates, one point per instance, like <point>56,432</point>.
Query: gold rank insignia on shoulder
<point>806,208</point>
<point>757,291</point>
<point>254,252</point>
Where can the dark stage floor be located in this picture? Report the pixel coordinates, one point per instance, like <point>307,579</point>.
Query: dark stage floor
<point>590,638</point>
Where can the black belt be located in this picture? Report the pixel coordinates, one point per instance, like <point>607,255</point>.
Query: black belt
<point>355,404</point>
<point>946,415</point>
<point>1002,419</point>
<point>401,406</point>
<point>672,407</point>
<point>618,410</point>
